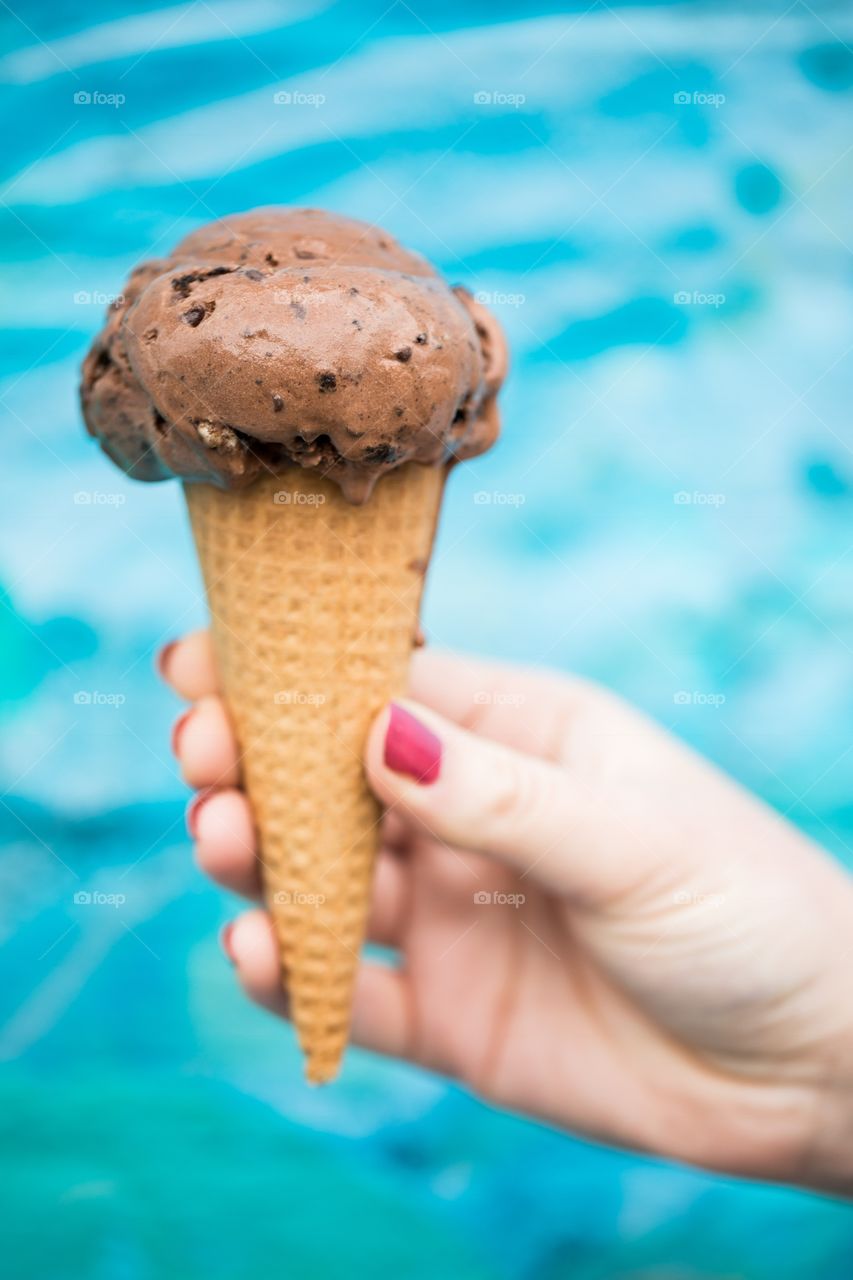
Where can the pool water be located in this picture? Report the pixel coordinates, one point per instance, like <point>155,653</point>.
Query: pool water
<point>652,199</point>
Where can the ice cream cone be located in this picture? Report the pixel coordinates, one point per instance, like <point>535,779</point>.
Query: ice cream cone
<point>266,350</point>
<point>314,609</point>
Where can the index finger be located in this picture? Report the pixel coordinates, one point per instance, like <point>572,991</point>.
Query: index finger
<point>189,667</point>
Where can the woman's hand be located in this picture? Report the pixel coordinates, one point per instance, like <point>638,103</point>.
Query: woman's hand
<point>595,927</point>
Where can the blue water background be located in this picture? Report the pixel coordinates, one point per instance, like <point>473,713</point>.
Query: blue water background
<point>669,511</point>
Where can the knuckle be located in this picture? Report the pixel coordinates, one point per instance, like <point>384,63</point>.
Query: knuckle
<point>525,797</point>
<point>508,794</point>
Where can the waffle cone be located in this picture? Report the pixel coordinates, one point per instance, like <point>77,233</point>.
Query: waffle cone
<point>314,611</point>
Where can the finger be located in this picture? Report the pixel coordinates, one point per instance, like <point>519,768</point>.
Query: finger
<point>396,833</point>
<point>204,743</point>
<point>533,711</point>
<point>188,666</point>
<point>381,1018</point>
<point>226,845</point>
<point>476,794</point>
<point>382,1010</point>
<point>252,947</point>
<point>389,903</point>
<point>226,850</point>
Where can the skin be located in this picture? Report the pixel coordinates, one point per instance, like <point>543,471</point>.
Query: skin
<point>673,980</point>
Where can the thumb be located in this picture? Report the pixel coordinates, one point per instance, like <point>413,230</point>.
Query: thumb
<point>477,794</point>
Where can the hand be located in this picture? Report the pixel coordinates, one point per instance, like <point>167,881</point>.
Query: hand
<point>595,927</point>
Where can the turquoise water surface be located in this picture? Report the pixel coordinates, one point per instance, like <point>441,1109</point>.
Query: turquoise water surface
<point>655,200</point>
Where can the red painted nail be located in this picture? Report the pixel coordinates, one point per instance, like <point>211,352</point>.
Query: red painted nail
<point>411,748</point>
<point>195,807</point>
<point>225,941</point>
<point>177,729</point>
<point>162,659</point>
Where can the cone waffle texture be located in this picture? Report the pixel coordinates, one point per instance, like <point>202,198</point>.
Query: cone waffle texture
<point>314,610</point>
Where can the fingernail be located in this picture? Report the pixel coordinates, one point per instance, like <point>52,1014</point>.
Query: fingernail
<point>411,748</point>
<point>177,729</point>
<point>195,807</point>
<point>225,934</point>
<point>162,659</point>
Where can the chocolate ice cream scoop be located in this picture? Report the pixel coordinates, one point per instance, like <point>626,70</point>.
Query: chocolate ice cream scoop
<point>291,336</point>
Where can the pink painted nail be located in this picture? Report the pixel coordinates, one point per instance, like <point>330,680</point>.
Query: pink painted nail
<point>195,807</point>
<point>162,660</point>
<point>411,748</point>
<point>225,941</point>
